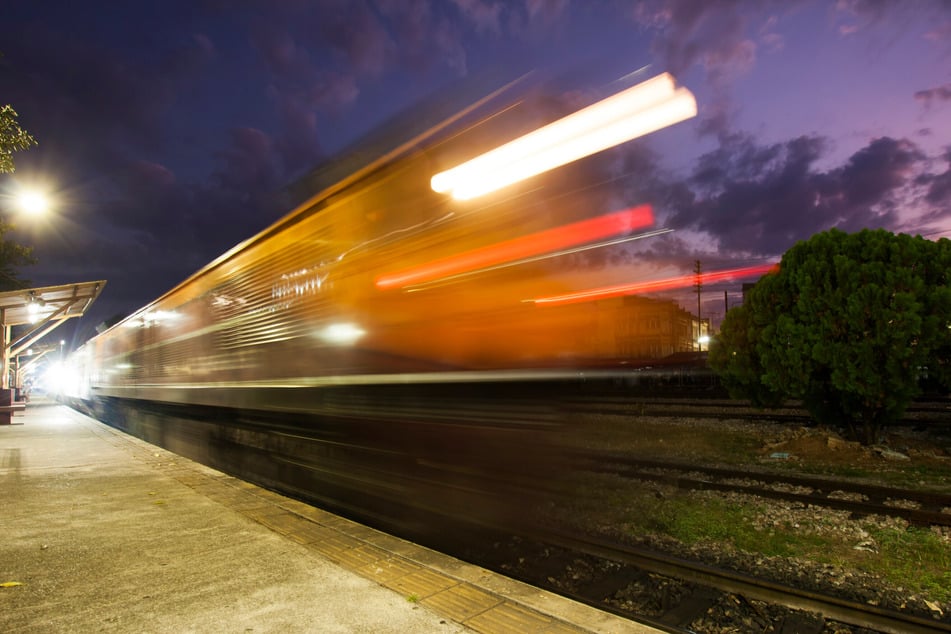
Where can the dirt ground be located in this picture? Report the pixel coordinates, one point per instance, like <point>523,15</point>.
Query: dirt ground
<point>916,451</point>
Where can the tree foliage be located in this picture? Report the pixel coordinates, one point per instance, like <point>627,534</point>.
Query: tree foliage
<point>13,138</point>
<point>12,255</point>
<point>850,324</point>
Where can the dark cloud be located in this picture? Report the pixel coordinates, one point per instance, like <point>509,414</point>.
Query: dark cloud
<point>725,38</point>
<point>876,171</point>
<point>299,145</point>
<point>485,15</point>
<point>864,13</point>
<point>546,11</point>
<point>103,117</point>
<point>353,31</point>
<point>721,38</point>
<point>174,135</point>
<point>941,33</point>
<point>754,198</point>
<point>145,219</point>
<point>939,187</point>
<point>931,95</point>
<point>761,199</point>
<point>427,38</point>
<point>117,102</point>
<point>247,162</point>
<point>711,33</point>
<point>870,10</point>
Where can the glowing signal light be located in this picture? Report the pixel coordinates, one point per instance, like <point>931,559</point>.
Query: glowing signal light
<point>637,111</point>
<point>526,246</point>
<point>655,286</point>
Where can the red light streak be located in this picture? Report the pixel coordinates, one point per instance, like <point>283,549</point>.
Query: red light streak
<point>655,286</point>
<point>527,246</point>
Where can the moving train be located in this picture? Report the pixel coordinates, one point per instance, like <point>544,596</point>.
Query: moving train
<point>392,348</point>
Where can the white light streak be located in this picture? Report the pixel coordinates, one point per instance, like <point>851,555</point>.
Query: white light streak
<point>637,111</point>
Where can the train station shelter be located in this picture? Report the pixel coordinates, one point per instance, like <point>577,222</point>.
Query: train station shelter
<point>41,310</point>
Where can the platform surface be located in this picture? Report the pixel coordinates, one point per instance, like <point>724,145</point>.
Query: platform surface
<point>102,532</point>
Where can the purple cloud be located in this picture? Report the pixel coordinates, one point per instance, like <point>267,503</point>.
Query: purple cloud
<point>485,15</point>
<point>932,95</point>
<point>939,188</point>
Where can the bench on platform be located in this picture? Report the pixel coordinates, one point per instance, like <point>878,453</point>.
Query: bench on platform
<point>7,411</point>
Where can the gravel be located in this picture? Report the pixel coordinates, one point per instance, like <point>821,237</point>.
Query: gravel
<point>732,613</point>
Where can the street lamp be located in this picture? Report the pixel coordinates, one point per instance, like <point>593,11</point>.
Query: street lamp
<point>32,202</point>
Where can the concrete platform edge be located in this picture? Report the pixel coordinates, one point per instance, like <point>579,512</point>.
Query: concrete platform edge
<point>419,573</point>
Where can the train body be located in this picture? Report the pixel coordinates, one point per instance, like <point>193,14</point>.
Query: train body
<point>382,349</point>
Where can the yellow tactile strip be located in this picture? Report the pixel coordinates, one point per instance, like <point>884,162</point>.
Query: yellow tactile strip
<point>481,600</point>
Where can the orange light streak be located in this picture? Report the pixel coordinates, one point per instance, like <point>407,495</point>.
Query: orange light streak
<point>553,239</point>
<point>654,286</point>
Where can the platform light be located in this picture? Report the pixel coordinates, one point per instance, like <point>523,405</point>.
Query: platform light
<point>34,307</point>
<point>637,111</point>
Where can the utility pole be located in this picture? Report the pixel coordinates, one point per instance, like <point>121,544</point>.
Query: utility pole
<point>698,285</point>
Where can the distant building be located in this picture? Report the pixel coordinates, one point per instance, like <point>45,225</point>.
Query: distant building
<point>634,327</point>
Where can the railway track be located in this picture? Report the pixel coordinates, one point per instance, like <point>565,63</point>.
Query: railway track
<point>937,413</point>
<point>677,594</point>
<point>919,507</point>
<point>700,590</point>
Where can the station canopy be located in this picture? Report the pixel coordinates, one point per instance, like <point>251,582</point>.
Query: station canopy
<point>44,308</point>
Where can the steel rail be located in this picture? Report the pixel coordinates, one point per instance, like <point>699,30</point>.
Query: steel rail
<point>836,608</point>
<point>822,487</point>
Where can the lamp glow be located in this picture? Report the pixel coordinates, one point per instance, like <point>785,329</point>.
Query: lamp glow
<point>637,111</point>
<point>33,202</point>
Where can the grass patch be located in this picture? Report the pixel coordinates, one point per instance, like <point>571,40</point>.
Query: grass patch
<point>915,558</point>
<point>906,475</point>
<point>693,520</point>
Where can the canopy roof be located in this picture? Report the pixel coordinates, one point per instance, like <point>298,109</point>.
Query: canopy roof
<point>44,308</point>
<point>38,305</point>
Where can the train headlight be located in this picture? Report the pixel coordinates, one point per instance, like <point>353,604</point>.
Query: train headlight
<point>341,334</point>
<point>60,379</point>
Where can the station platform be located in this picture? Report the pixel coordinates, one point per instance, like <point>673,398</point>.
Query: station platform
<point>102,532</point>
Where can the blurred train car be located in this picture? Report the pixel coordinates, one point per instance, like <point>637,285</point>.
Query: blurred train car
<point>381,350</point>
